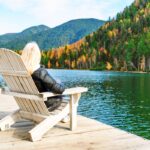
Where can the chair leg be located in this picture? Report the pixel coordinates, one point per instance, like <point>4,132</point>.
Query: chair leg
<point>9,120</point>
<point>73,110</point>
<point>66,119</point>
<point>39,130</point>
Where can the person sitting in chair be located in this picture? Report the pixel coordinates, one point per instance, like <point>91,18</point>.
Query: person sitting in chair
<point>31,57</point>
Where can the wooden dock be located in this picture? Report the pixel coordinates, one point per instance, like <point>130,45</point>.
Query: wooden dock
<point>90,135</point>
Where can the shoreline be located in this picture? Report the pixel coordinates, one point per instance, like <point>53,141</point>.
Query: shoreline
<point>140,72</point>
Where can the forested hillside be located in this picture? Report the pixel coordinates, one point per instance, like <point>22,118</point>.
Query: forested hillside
<point>123,44</point>
<point>16,41</point>
<point>47,38</point>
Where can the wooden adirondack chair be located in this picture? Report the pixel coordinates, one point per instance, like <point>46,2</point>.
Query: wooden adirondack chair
<point>30,101</point>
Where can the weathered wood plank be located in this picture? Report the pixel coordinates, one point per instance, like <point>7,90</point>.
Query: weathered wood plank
<point>90,134</point>
<point>94,136</point>
<point>37,132</point>
<point>69,91</point>
<point>22,95</point>
<point>32,116</point>
<point>7,121</point>
<point>73,110</point>
<point>15,73</point>
<point>44,95</point>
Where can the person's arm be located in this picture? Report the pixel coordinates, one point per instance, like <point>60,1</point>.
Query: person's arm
<point>50,83</point>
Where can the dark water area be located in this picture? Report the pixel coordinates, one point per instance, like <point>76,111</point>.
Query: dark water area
<point>118,99</point>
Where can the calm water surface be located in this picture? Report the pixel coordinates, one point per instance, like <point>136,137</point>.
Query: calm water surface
<point>118,99</point>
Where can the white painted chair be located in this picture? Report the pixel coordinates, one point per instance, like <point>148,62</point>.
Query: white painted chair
<point>30,101</point>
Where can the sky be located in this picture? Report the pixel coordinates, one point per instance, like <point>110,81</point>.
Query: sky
<point>17,15</point>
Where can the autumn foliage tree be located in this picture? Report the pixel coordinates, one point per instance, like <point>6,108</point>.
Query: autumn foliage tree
<point>122,43</point>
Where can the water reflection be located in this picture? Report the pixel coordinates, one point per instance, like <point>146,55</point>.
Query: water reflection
<point>118,99</point>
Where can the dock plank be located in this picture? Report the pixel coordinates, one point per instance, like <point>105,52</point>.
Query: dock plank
<point>89,135</point>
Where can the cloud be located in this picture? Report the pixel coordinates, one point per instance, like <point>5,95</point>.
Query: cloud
<point>55,12</point>
<point>14,5</point>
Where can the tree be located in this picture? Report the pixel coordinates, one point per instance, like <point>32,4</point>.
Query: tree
<point>49,64</point>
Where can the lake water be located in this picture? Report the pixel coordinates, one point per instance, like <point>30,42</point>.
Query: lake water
<point>118,99</point>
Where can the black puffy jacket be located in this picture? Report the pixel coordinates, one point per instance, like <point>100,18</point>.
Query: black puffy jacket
<point>45,83</point>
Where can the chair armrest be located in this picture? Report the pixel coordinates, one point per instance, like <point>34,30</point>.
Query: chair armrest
<point>37,97</point>
<point>42,96</point>
<point>69,91</point>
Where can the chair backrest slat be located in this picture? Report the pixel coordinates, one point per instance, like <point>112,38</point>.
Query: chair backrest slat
<point>3,59</point>
<point>19,80</point>
<point>38,106</point>
<point>12,65</point>
<point>20,103</point>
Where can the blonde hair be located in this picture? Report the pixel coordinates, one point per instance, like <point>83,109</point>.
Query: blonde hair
<point>31,56</point>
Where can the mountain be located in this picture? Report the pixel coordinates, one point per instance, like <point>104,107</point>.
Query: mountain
<point>68,32</point>
<point>47,38</point>
<point>14,40</point>
<point>122,43</point>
